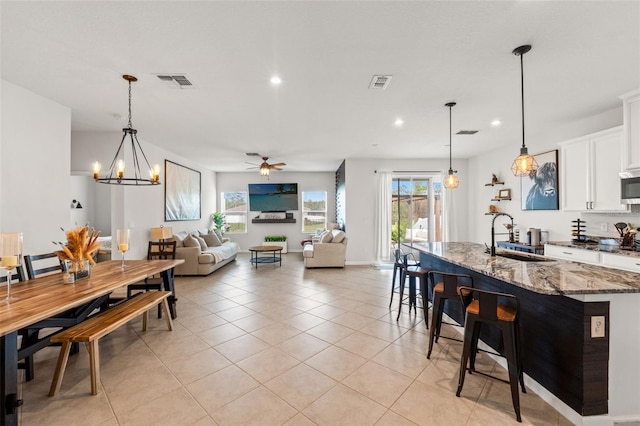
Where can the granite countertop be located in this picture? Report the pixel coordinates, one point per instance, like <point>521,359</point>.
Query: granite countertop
<point>594,246</point>
<point>545,277</point>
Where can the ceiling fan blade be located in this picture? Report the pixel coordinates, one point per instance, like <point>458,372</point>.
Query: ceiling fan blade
<point>278,164</point>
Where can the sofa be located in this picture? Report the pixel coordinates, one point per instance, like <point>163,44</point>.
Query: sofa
<point>329,250</point>
<point>203,252</point>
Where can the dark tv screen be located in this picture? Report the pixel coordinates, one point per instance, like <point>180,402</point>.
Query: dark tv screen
<point>273,197</point>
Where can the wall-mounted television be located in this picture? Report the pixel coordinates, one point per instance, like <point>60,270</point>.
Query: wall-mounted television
<point>273,197</point>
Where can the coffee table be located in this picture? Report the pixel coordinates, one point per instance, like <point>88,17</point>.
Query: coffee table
<point>255,258</point>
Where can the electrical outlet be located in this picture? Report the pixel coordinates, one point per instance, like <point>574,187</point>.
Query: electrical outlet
<point>603,226</point>
<point>597,326</point>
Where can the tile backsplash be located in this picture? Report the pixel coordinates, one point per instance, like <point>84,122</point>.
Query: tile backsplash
<point>596,220</point>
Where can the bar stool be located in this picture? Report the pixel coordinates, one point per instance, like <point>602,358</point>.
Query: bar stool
<point>400,261</point>
<point>421,273</point>
<point>446,286</point>
<point>500,310</point>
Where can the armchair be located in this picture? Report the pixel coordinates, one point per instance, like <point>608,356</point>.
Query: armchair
<point>329,251</point>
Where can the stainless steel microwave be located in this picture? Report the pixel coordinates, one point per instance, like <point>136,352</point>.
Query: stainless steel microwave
<point>630,190</point>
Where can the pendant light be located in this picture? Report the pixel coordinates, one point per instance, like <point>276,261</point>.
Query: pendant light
<point>116,172</point>
<point>524,164</point>
<point>451,181</point>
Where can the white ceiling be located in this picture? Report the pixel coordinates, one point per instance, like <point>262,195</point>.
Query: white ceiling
<point>585,54</point>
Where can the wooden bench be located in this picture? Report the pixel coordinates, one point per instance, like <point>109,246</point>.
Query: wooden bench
<point>91,330</point>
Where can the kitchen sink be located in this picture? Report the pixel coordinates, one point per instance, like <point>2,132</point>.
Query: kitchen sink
<point>523,257</point>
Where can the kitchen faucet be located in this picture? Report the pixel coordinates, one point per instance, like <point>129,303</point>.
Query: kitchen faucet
<point>493,231</point>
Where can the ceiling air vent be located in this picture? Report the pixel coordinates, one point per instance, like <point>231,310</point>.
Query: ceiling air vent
<point>467,132</point>
<point>252,154</point>
<point>380,82</point>
<point>180,80</point>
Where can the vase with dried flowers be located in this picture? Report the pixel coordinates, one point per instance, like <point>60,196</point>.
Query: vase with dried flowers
<point>77,254</point>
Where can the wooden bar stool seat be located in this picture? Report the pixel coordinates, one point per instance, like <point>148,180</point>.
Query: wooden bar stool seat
<point>446,286</point>
<point>501,311</point>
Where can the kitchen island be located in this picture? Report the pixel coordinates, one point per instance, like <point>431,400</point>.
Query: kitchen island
<point>580,327</point>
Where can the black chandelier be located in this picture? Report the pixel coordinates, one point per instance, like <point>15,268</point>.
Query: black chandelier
<point>451,181</point>
<point>116,170</point>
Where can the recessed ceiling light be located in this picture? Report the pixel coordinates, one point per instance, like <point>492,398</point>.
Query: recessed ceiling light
<point>275,80</point>
<point>399,122</point>
<point>495,123</point>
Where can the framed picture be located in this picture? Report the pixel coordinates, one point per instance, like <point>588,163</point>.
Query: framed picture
<point>181,192</point>
<point>540,189</point>
<point>504,194</point>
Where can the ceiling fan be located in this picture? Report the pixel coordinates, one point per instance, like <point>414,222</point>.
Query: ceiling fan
<point>265,167</point>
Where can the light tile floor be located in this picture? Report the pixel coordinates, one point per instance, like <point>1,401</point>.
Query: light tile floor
<point>275,346</point>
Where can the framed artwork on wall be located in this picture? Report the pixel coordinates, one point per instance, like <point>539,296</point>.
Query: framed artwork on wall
<point>540,189</point>
<point>181,192</point>
<point>504,194</point>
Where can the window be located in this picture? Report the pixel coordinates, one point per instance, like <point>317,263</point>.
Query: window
<point>234,207</point>
<point>416,209</point>
<point>314,211</point>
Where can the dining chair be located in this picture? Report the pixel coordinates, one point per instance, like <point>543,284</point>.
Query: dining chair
<point>157,250</point>
<point>31,341</point>
<point>25,362</point>
<point>47,266</point>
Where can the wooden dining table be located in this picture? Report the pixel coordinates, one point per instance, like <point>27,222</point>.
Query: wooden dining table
<point>47,296</point>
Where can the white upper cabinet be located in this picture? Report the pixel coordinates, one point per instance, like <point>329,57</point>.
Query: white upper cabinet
<point>631,111</point>
<point>589,172</point>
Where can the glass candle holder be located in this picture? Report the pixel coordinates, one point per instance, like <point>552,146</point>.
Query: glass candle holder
<point>10,257</point>
<point>123,237</point>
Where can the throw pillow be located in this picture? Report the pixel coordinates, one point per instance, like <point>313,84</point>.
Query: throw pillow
<point>219,235</point>
<point>203,243</point>
<point>326,237</point>
<point>338,236</point>
<point>190,241</point>
<point>177,240</point>
<point>211,240</point>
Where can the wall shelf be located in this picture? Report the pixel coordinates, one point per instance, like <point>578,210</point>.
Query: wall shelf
<point>273,221</point>
<point>501,199</point>
<point>494,183</point>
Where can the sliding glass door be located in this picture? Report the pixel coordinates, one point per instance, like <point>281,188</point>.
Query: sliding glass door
<point>416,209</point>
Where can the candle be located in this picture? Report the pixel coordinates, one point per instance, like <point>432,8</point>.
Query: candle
<point>9,261</point>
<point>123,247</point>
<point>120,169</point>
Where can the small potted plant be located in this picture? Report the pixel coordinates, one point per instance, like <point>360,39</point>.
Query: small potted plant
<point>276,240</point>
<point>218,221</point>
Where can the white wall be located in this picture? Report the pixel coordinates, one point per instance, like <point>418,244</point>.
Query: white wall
<point>312,181</point>
<point>139,208</point>
<point>34,168</point>
<point>556,222</point>
<point>361,187</point>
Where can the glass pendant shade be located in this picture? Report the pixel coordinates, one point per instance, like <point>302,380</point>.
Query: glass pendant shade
<point>525,164</point>
<point>451,181</point>
<point>264,169</point>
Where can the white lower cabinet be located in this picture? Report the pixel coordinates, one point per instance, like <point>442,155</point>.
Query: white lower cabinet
<point>629,263</point>
<point>609,260</point>
<point>574,254</point>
